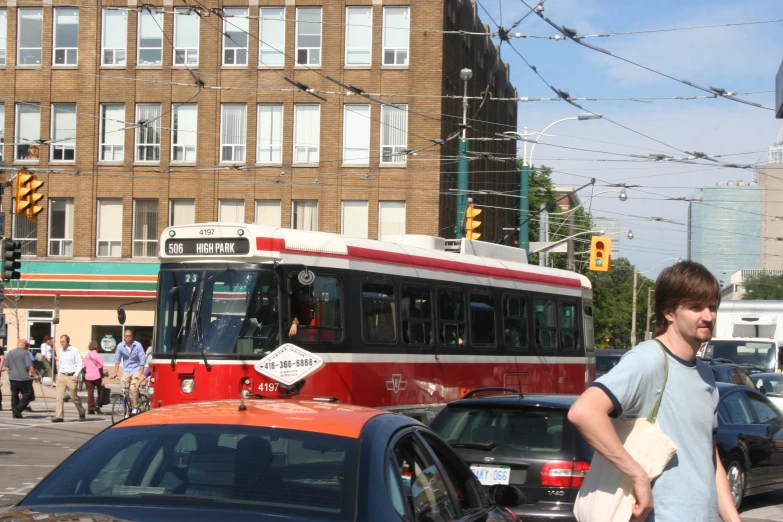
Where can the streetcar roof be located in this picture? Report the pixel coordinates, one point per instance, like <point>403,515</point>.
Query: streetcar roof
<point>345,420</point>
<point>272,244</point>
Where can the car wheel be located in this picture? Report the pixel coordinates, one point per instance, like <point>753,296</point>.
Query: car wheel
<point>736,476</point>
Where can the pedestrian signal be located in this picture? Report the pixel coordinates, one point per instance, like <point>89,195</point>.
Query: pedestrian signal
<point>12,251</point>
<point>471,224</point>
<point>600,253</point>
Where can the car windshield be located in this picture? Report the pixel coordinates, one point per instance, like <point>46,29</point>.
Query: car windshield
<point>604,363</point>
<point>218,311</point>
<point>220,466</point>
<point>750,355</point>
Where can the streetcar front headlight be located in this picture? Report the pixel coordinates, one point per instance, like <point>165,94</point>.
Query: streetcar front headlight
<point>151,390</point>
<point>187,385</point>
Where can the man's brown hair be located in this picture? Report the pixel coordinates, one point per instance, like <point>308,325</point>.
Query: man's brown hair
<point>683,284</point>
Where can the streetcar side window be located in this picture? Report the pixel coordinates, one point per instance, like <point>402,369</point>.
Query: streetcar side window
<point>451,316</point>
<point>515,322</point>
<point>570,339</point>
<point>482,319</point>
<point>546,325</point>
<point>318,309</point>
<point>416,312</point>
<point>379,312</point>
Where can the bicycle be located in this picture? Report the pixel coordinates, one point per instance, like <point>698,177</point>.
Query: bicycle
<point>121,407</point>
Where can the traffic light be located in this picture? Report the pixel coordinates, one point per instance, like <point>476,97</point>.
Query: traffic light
<point>23,192</point>
<point>600,253</point>
<point>12,251</point>
<point>471,224</point>
<point>33,210</point>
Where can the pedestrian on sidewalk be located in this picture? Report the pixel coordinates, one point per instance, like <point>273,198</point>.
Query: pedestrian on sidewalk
<point>2,369</point>
<point>70,364</point>
<point>47,353</point>
<point>131,354</point>
<point>93,377</point>
<point>21,375</point>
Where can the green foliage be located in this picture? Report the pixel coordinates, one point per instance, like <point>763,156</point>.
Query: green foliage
<point>764,287</point>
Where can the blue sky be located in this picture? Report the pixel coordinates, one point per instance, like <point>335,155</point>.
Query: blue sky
<point>739,59</point>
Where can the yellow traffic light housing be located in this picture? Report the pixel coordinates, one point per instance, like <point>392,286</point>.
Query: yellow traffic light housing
<point>33,209</point>
<point>471,224</point>
<point>600,253</point>
<point>23,192</point>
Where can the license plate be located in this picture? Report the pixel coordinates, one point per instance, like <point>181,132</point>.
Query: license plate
<point>491,475</point>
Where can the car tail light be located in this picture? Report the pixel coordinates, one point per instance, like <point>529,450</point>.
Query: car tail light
<point>564,474</point>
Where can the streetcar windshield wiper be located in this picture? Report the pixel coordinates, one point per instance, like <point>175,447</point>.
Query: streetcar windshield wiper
<point>483,446</point>
<point>181,331</point>
<point>195,326</point>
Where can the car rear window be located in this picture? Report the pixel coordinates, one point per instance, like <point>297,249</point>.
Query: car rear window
<point>236,467</point>
<point>604,363</point>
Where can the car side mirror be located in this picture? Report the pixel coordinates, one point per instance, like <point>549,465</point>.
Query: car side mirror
<point>506,496</point>
<point>762,389</point>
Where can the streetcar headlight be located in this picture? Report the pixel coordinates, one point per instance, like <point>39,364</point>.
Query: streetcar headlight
<point>245,393</point>
<point>151,390</point>
<point>187,385</point>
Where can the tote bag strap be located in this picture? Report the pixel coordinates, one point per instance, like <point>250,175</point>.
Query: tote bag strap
<point>654,412</point>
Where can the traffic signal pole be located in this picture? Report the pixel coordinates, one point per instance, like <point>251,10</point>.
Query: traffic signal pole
<point>462,172</point>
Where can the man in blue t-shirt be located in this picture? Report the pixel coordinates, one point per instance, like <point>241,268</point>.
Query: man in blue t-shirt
<point>693,486</point>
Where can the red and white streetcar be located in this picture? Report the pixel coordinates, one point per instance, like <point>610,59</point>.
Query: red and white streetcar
<point>397,323</point>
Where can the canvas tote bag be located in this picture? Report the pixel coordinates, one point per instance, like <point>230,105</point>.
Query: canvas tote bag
<point>606,494</point>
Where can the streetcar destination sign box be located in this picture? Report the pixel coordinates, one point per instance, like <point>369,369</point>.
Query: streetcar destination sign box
<point>289,364</point>
<point>236,246</point>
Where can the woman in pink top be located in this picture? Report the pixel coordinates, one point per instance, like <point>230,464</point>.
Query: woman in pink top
<point>93,377</point>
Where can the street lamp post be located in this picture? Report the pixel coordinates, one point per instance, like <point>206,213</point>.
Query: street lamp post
<point>462,173</point>
<point>635,290</point>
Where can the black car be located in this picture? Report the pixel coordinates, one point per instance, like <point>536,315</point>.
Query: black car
<point>750,441</point>
<point>730,373</point>
<point>605,360</point>
<point>524,441</point>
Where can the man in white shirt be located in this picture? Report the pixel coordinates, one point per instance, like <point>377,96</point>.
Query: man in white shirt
<point>70,366</point>
<point>47,352</point>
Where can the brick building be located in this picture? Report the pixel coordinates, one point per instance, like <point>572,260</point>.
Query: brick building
<point>138,117</point>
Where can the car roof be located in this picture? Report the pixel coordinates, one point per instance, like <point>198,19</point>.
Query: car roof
<point>725,387</point>
<point>768,375</point>
<point>609,352</point>
<point>329,418</point>
<point>543,400</point>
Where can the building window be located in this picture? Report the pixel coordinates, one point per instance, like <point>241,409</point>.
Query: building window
<point>236,26</point>
<point>270,133</point>
<point>66,36</point>
<point>396,23</point>
<point>145,227</point>
<point>63,144</point>
<point>394,134</point>
<point>148,132</point>
<point>391,218</point>
<point>233,132</point>
<point>112,131</point>
<point>28,131</point>
<point>109,228</point>
<point>26,231</point>
<point>150,36</point>
<point>184,132</point>
<point>114,35</point>
<point>29,32</point>
<point>3,35</point>
<point>358,38</point>
<point>2,132</point>
<point>186,33</point>
<point>356,134</point>
<point>231,210</point>
<point>304,215</point>
<point>268,212</point>
<point>271,26</point>
<point>307,132</point>
<point>308,36</point>
<point>61,227</point>
<point>355,219</point>
<point>182,212</point>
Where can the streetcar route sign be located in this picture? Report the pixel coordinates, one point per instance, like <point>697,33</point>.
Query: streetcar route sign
<point>289,364</point>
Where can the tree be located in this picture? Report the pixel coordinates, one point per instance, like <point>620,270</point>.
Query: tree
<point>763,287</point>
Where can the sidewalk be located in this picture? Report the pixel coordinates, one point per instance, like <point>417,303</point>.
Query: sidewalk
<point>49,396</point>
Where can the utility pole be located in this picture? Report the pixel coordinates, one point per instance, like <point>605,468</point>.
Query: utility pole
<point>524,200</point>
<point>633,308</point>
<point>647,332</point>
<point>543,234</point>
<point>570,265</point>
<point>462,173</point>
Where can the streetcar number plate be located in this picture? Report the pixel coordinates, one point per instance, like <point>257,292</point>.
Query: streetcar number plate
<point>289,364</point>
<point>235,246</point>
<point>491,475</point>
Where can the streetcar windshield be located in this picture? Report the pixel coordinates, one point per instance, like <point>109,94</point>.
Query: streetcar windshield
<point>218,312</point>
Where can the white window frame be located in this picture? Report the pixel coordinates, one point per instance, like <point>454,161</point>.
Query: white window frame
<point>269,145</point>
<point>61,242</point>
<point>173,202</point>
<point>186,52</point>
<point>66,51</point>
<point>293,213</point>
<point>396,148</point>
<point>18,135</point>
<point>227,21</point>
<point>278,49</point>
<point>140,132</point>
<point>2,132</point>
<point>144,242</point>
<point>367,49</point>
<point>189,151</point>
<point>115,51</point>
<point>142,14</point>
<point>362,127</point>
<point>109,243</point>
<point>29,244</point>
<point>407,48</point>
<point>234,146</point>
<point>63,145</point>
<point>356,203</point>
<point>268,203</point>
<point>310,62</point>
<point>3,35</point>
<point>307,146</point>
<point>115,149</point>
<point>19,48</point>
